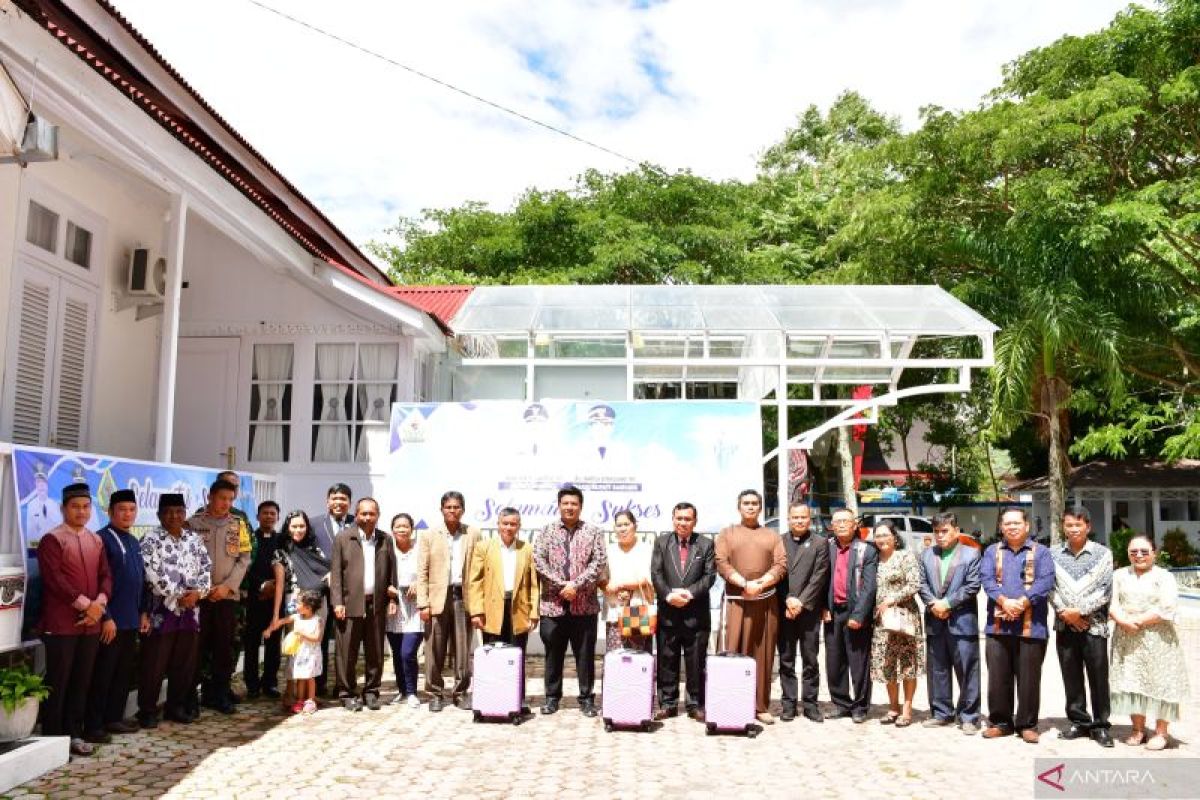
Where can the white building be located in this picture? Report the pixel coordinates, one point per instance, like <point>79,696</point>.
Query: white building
<point>260,337</point>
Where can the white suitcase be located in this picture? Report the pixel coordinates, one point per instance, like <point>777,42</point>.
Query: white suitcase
<point>628,691</point>
<point>499,679</point>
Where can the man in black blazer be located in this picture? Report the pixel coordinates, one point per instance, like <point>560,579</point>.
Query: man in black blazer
<point>682,568</point>
<point>800,610</point>
<point>326,526</point>
<point>360,573</point>
<point>849,614</point>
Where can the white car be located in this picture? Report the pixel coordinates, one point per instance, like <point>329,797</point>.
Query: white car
<point>916,531</point>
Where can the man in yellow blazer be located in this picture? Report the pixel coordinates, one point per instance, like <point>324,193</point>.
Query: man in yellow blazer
<point>502,594</point>
<point>443,564</point>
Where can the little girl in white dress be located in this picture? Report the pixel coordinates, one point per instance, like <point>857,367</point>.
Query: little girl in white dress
<point>306,662</point>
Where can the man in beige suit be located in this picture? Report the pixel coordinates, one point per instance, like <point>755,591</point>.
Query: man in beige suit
<point>502,594</point>
<point>443,564</point>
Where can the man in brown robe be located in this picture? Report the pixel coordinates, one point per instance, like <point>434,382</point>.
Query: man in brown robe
<point>751,559</point>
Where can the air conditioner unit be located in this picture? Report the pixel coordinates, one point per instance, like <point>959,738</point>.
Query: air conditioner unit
<point>147,274</point>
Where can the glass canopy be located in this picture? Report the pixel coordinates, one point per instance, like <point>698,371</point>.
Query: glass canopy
<point>842,347</point>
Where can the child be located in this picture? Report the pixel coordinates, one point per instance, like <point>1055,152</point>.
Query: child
<point>306,663</point>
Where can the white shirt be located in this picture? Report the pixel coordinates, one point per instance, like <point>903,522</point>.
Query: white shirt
<point>508,560</point>
<point>406,619</point>
<point>623,567</point>
<point>368,547</point>
<point>456,557</point>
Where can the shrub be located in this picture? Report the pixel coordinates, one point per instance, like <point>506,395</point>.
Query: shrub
<point>18,683</point>
<point>1177,550</point>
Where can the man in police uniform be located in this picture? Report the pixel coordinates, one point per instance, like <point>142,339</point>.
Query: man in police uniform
<point>41,511</point>
<point>228,543</point>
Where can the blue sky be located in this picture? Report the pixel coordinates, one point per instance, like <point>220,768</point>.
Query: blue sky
<point>704,85</point>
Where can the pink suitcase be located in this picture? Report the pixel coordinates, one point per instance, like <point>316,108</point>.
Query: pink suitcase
<point>730,686</point>
<point>627,699</point>
<point>499,678</point>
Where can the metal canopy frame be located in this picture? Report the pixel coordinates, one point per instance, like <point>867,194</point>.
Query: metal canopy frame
<point>784,346</point>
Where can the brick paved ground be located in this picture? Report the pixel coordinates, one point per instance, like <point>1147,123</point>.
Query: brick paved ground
<point>407,752</point>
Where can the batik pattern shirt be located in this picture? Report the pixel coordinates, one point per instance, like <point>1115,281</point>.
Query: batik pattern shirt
<point>587,561</point>
<point>1083,582</point>
<point>174,567</point>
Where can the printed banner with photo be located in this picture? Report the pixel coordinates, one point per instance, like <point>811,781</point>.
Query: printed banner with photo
<point>40,474</point>
<point>641,456</point>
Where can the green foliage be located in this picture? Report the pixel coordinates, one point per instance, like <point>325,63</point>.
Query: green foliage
<point>1177,551</point>
<point>1118,542</point>
<point>18,683</point>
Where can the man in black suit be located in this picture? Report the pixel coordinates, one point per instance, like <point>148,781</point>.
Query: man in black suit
<point>800,610</point>
<point>682,568</point>
<point>360,573</point>
<point>849,613</point>
<point>326,527</point>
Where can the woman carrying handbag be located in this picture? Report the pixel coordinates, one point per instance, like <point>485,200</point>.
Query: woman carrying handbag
<point>898,643</point>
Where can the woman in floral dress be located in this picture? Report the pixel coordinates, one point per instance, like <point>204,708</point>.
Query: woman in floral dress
<point>1148,675</point>
<point>897,657</point>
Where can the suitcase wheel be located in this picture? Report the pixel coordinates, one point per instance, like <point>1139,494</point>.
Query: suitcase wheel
<point>476,716</point>
<point>710,728</point>
<point>751,731</point>
<point>608,726</point>
<point>647,726</point>
<point>515,718</point>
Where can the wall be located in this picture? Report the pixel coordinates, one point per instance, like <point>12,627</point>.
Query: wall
<point>10,176</point>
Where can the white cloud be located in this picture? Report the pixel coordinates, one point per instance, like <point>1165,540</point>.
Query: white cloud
<point>367,141</point>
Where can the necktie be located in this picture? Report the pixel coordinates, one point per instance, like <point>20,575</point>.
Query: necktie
<point>683,554</point>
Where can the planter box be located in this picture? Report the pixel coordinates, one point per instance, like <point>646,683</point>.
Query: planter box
<point>19,724</point>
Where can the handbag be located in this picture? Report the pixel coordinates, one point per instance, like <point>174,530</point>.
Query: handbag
<point>291,644</point>
<point>639,619</point>
<point>267,590</point>
<point>898,620</point>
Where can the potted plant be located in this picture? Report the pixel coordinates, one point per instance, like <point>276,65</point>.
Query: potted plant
<point>20,693</point>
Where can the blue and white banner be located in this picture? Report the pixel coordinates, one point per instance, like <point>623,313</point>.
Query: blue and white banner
<point>641,456</point>
<point>39,475</point>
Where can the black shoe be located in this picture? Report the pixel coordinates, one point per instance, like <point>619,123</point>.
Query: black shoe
<point>147,721</point>
<point>463,702</point>
<point>550,707</point>
<point>373,702</point>
<point>122,726</point>
<point>838,713</point>
<point>814,714</point>
<point>587,708</point>
<point>788,713</point>
<point>178,715</point>
<point>696,714</point>
<point>1074,732</point>
<point>97,737</point>
<point>1102,737</point>
<point>436,704</point>
<point>348,703</point>
<point>226,707</point>
<point>252,694</point>
<point>272,693</point>
<point>667,713</point>
<point>858,717</point>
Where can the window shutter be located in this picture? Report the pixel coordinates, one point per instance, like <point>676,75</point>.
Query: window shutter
<point>33,341</point>
<point>72,364</point>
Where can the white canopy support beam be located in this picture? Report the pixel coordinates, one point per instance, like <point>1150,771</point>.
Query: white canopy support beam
<point>168,343</point>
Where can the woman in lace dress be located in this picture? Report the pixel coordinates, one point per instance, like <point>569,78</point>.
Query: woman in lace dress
<point>897,657</point>
<point>1148,674</point>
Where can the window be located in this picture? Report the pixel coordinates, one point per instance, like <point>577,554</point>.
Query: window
<point>271,402</point>
<point>79,245</point>
<point>42,228</point>
<point>352,399</point>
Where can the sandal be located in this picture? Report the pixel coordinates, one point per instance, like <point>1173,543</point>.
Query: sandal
<point>1135,739</point>
<point>889,718</point>
<point>903,722</point>
<point>1157,742</point>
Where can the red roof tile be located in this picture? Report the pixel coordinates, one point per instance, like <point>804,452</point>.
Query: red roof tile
<point>443,302</point>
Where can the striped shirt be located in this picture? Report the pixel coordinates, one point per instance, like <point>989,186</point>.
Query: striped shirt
<point>1083,581</point>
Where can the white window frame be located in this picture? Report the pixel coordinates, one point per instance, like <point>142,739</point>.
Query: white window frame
<point>68,210</point>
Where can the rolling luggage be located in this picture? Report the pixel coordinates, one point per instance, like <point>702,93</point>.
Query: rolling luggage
<point>499,692</point>
<point>730,685</point>
<point>627,699</point>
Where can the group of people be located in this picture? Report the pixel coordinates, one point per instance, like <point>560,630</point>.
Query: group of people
<point>195,590</point>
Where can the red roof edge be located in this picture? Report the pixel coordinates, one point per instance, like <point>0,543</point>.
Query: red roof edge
<point>391,293</point>
<point>440,302</point>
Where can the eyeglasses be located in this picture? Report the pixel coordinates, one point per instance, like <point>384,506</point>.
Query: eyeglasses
<point>1141,552</point>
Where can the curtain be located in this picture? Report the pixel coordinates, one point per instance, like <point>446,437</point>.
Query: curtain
<point>376,362</point>
<point>272,362</point>
<point>335,362</point>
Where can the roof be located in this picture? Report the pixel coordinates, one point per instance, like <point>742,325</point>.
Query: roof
<point>107,60</point>
<point>1124,474</point>
<point>442,302</point>
<point>817,309</point>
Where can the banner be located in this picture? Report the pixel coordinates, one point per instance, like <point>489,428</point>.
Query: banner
<point>40,474</point>
<point>640,456</point>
